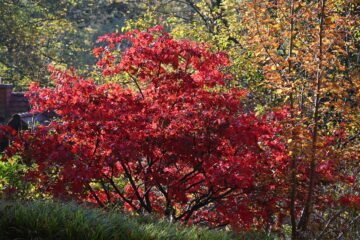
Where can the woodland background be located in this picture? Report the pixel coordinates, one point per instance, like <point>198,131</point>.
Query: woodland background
<point>299,56</point>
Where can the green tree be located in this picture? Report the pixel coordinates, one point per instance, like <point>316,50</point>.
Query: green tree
<point>37,33</point>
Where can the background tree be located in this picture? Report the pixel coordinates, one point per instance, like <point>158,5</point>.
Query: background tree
<point>302,47</point>
<point>37,33</point>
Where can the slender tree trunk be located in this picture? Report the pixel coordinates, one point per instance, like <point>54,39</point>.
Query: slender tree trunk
<point>293,160</point>
<point>303,223</point>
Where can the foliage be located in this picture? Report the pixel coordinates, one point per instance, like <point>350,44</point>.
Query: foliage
<point>12,171</point>
<point>305,49</point>
<point>218,24</point>
<point>30,220</point>
<point>59,32</point>
<point>183,150</point>
<point>302,56</point>
<point>299,56</point>
<point>11,179</point>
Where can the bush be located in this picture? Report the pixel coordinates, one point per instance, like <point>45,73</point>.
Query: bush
<point>165,140</point>
<point>12,184</point>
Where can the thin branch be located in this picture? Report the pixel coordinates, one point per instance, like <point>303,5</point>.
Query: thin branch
<point>328,224</point>
<point>95,196</point>
<point>117,190</point>
<point>137,85</point>
<point>133,185</point>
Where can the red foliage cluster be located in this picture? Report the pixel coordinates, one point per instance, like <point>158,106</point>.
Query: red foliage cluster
<point>169,142</point>
<point>6,133</point>
<point>350,201</point>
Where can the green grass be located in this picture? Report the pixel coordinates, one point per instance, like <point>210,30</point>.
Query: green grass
<point>54,220</point>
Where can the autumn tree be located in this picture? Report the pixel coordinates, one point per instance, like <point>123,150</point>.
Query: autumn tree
<point>165,142</point>
<point>303,47</point>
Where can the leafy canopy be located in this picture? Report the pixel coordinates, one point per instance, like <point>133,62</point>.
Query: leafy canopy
<point>166,142</point>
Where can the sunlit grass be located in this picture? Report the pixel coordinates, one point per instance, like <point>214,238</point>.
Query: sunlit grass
<point>54,220</point>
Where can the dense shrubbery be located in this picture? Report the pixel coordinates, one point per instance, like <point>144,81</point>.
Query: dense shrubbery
<point>169,143</point>
<point>166,136</point>
<point>167,127</point>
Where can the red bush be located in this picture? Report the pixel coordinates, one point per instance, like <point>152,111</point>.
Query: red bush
<point>168,142</point>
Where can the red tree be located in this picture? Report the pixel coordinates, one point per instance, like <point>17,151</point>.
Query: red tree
<point>167,141</point>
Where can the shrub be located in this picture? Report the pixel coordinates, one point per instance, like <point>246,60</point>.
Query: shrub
<point>164,140</point>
